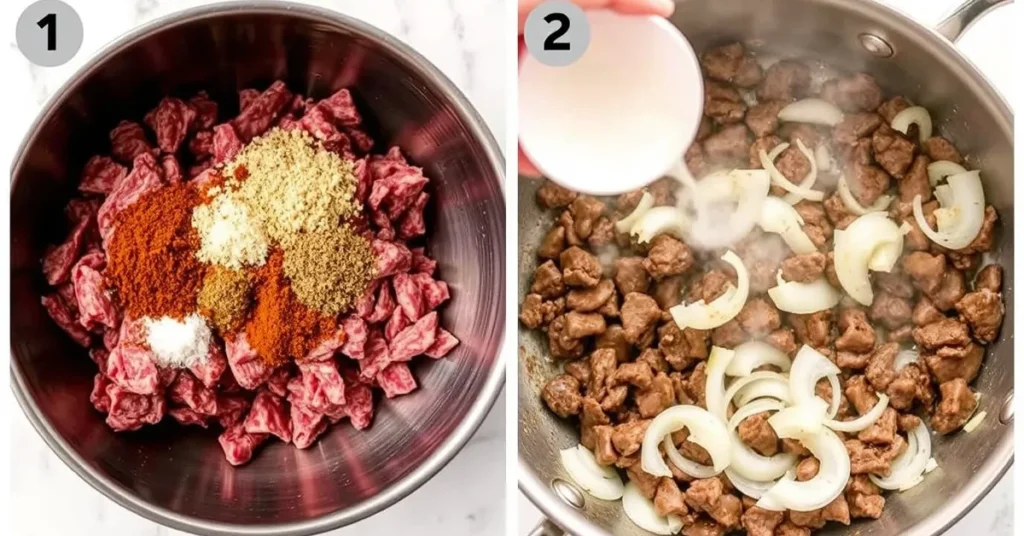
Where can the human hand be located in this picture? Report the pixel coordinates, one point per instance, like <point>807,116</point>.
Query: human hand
<point>662,8</point>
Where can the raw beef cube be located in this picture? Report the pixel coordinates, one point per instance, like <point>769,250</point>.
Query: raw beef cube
<point>128,141</point>
<point>355,337</point>
<point>363,179</point>
<point>239,445</point>
<point>325,349</point>
<point>258,115</point>
<point>99,398</point>
<point>100,356</point>
<point>434,292</point>
<point>172,170</point>
<point>129,411</point>
<point>166,375</point>
<point>101,174</point>
<point>341,108</point>
<point>396,380</point>
<point>415,339</point>
<point>94,304</point>
<point>321,385</point>
<point>318,124</point>
<point>67,296</point>
<point>278,381</point>
<point>246,97</point>
<point>384,307</point>
<point>111,338</point>
<point>249,370</point>
<point>188,416</point>
<point>94,258</point>
<point>364,306</point>
<point>145,177</point>
<point>307,425</point>
<point>361,141</point>
<point>396,324</point>
<point>132,332</point>
<point>421,263</point>
<point>226,144</point>
<point>58,260</point>
<point>409,296</point>
<point>170,120</point>
<point>412,224</point>
<point>231,409</point>
<point>210,370</point>
<point>444,343</point>
<point>359,401</point>
<point>392,257</point>
<point>63,318</point>
<point>206,110</point>
<point>268,416</point>
<point>377,356</point>
<point>201,146</point>
<point>188,391</point>
<point>133,369</point>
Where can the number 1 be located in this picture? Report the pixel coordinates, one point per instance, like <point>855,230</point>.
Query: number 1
<point>50,23</point>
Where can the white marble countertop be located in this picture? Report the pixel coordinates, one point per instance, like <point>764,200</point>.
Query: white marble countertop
<point>463,38</point>
<point>985,45</point>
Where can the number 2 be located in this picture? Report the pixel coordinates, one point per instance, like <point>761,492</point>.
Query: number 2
<point>551,42</point>
<point>50,23</point>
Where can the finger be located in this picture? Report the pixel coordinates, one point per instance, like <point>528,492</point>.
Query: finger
<point>663,8</point>
<point>526,167</point>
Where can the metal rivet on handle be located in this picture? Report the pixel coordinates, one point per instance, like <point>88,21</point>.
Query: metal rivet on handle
<point>1006,413</point>
<point>876,46</point>
<point>568,492</point>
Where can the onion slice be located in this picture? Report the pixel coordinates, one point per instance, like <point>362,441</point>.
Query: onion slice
<point>660,220</point>
<point>626,224</point>
<point>746,188</point>
<point>752,354</point>
<point>818,492</point>
<point>705,429</point>
<point>864,421</point>
<point>751,488</point>
<point>745,461</point>
<point>823,157</point>
<point>803,298</point>
<point>800,421</point>
<point>814,111</point>
<point>909,466</point>
<point>684,464</point>
<point>974,422</point>
<point>802,191</point>
<point>809,179</point>
<point>640,510</point>
<point>904,358</point>
<point>778,216</point>
<point>854,206</point>
<point>809,366</point>
<point>600,482</point>
<point>700,315</point>
<point>940,169</point>
<point>872,241</point>
<point>915,115</point>
<point>775,387</point>
<point>959,223</point>
<point>714,386</point>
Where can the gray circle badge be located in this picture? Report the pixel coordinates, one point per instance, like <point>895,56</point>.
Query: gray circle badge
<point>557,33</point>
<point>49,33</point>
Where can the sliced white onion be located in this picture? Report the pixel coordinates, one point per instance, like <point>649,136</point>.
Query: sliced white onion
<point>974,422</point>
<point>823,157</point>
<point>660,220</point>
<point>915,115</point>
<point>684,464</point>
<point>748,463</point>
<point>640,510</point>
<point>700,315</point>
<point>601,482</point>
<point>625,224</point>
<point>931,465</point>
<point>905,357</point>
<point>803,298</point>
<point>908,466</point>
<point>872,241</point>
<point>815,111</point>
<point>714,387</point>
<point>752,354</point>
<point>940,169</point>
<point>854,206</point>
<point>818,492</point>
<point>778,216</point>
<point>803,192</point>
<point>801,420</point>
<point>744,190</point>
<point>809,179</point>
<point>751,386</point>
<point>809,366</point>
<point>705,429</point>
<point>944,195</point>
<point>864,421</point>
<point>959,223</point>
<point>751,488</point>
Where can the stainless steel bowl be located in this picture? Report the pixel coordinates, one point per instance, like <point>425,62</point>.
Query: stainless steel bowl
<point>177,476</point>
<point>926,67</point>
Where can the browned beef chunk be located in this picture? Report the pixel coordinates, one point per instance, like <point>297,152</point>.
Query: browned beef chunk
<point>939,148</point>
<point>759,317</point>
<point>868,183</point>
<point>731,63</point>
<point>592,415</point>
<point>667,257</point>
<point>866,458</point>
<point>552,244</point>
<point>579,325</point>
<point>630,275</point>
<point>551,195</point>
<point>787,528</point>
<point>856,333</point>
<point>804,268</point>
<point>890,311</point>
<point>925,312</point>
<point>983,311</point>
<point>855,126</point>
<point>640,314</point>
<point>566,220</point>
<point>614,338</point>
<point>816,224</point>
<point>625,203</point>
<point>784,340</point>
<point>560,344</point>
<point>537,312</point>
<point>655,399</point>
<point>852,361</point>
<point>985,239</point>
<point>585,212</point>
<point>807,134</point>
<point>907,422</point>
<point>911,383</point>
<point>860,394</point>
<point>759,435</point>
<point>865,506</point>
<point>989,278</point>
<point>950,363</point>
<point>682,347</point>
<point>590,299</point>
<point>881,372</point>
<point>628,437</point>
<point>893,151</point>
<point>603,234</point>
<point>857,93</point>
<point>925,270</point>
<point>696,160</point>
<point>547,281</point>
<point>728,335</point>
<point>580,268</point>
<point>837,212</point>
<point>696,386</point>
<point>786,80</point>
<point>895,284</point>
<point>883,431</point>
<point>955,408</point>
<point>703,527</point>
<point>945,332</point>
<point>814,329</point>
<point>766,144</point>
<point>763,118</point>
<point>950,290</point>
<point>668,292</point>
<point>722,103</point>
<point>579,370</point>
<point>729,145</point>
<point>604,451</point>
<point>602,365</point>
<point>562,395</point>
<point>760,522</point>
<point>891,107</point>
<point>915,182</point>
<point>793,164</point>
<point>668,500</point>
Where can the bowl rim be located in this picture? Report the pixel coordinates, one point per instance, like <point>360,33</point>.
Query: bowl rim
<point>490,389</point>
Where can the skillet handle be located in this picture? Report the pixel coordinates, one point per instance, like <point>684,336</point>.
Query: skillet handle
<point>547,528</point>
<point>953,26</point>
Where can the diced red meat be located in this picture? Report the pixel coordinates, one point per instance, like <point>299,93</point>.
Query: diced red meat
<point>342,108</point>
<point>415,339</point>
<point>130,411</point>
<point>205,109</point>
<point>95,306</point>
<point>355,336</point>
<point>396,379</point>
<point>99,398</point>
<point>412,224</point>
<point>58,261</point>
<point>170,120</point>
<point>268,416</point>
<point>377,356</point>
<point>249,370</point>
<point>262,111</point>
<point>231,409</point>
<point>128,141</point>
<point>321,384</point>
<point>239,445</point>
<point>133,369</point>
<point>306,425</point>
<point>210,370</point>
<point>226,144</point>
<point>100,175</point>
<point>145,177</point>
<point>359,406</point>
<point>365,304</point>
<point>408,295</point>
<point>392,257</point>
<point>188,417</point>
<point>444,342</point>
<point>189,391</point>
<point>277,383</point>
<point>396,324</point>
<point>422,263</point>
